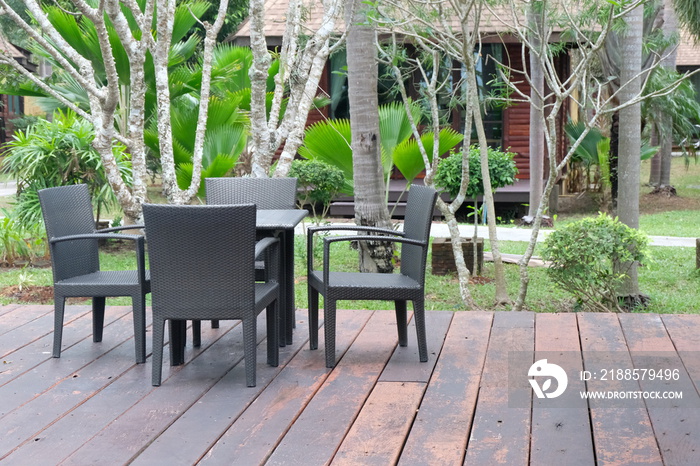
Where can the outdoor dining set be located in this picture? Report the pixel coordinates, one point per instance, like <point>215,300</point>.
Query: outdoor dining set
<point>229,259</point>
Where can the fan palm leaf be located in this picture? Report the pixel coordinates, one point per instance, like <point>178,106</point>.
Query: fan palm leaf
<point>407,156</point>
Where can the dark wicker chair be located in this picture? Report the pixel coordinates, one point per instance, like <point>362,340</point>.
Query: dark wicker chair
<point>265,193</point>
<point>407,285</point>
<point>73,241</point>
<point>202,267</point>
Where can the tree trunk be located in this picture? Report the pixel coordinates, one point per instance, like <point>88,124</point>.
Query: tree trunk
<point>630,137</point>
<point>370,208</point>
<point>501,297</point>
<point>613,159</point>
<point>669,27</point>
<point>260,136</point>
<point>536,146</point>
<point>655,168</point>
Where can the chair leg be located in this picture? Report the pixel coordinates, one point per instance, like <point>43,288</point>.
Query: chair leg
<point>214,323</point>
<point>138,303</point>
<point>59,307</point>
<point>177,341</point>
<point>98,317</point>
<point>329,328</point>
<point>249,349</point>
<point>196,333</point>
<point>273,333</point>
<point>313,318</point>
<point>157,360</point>
<point>419,317</point>
<point>401,323</point>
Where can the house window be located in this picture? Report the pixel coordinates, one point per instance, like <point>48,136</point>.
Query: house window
<point>486,77</point>
<point>338,88</point>
<point>14,105</point>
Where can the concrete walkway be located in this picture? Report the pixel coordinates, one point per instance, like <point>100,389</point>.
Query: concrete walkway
<point>440,230</point>
<point>8,188</point>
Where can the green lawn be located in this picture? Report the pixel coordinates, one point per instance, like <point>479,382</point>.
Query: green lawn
<point>669,277</point>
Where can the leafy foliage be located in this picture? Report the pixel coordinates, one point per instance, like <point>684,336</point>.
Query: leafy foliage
<point>319,183</point>
<point>502,171</point>
<point>329,142</point>
<point>585,257</point>
<point>57,153</point>
<point>19,242</point>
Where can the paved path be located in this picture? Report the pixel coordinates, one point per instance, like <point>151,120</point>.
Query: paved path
<point>8,188</point>
<point>439,230</point>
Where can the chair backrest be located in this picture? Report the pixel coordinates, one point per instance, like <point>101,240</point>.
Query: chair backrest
<point>201,259</point>
<point>417,223</point>
<point>67,210</point>
<point>265,193</point>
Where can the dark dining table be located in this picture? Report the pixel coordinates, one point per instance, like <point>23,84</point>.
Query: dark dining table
<point>280,224</point>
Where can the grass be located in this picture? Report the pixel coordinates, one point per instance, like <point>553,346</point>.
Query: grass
<point>668,278</point>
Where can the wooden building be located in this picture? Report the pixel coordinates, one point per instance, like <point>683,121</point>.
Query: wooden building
<point>12,106</point>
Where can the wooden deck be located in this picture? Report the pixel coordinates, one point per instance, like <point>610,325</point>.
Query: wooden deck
<point>378,406</point>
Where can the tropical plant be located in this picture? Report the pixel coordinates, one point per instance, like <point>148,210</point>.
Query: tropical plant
<point>592,154</point>
<point>329,142</point>
<point>225,138</point>
<point>585,258</point>
<point>19,242</point>
<point>57,153</point>
<point>318,184</point>
<point>502,170</point>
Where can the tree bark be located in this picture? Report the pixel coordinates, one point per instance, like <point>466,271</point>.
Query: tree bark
<point>536,144</point>
<point>630,136</point>
<point>370,208</point>
<point>669,27</point>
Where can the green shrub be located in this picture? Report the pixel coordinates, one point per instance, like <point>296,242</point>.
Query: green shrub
<point>58,153</point>
<point>585,259</point>
<point>319,183</point>
<point>501,168</point>
<point>19,243</point>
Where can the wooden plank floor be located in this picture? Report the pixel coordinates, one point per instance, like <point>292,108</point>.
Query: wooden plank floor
<point>378,406</point>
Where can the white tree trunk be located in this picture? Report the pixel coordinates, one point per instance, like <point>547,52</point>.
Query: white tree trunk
<point>536,145</point>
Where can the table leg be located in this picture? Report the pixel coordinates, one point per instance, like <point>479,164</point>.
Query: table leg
<point>290,308</point>
<point>283,289</point>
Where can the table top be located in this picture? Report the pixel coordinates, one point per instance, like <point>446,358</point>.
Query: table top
<point>285,219</point>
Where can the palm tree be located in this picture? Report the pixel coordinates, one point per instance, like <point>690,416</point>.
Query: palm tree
<point>630,124</point>
<point>370,208</point>
<point>688,12</point>
<point>660,174</point>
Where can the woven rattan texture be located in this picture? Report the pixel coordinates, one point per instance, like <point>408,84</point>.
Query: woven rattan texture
<point>265,193</point>
<point>408,285</point>
<point>67,212</point>
<point>202,267</point>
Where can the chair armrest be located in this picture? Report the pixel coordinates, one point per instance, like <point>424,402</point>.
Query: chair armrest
<point>311,230</point>
<point>270,246</point>
<point>122,227</point>
<point>263,244</point>
<point>314,229</point>
<point>59,239</point>
<point>327,244</point>
<point>139,242</point>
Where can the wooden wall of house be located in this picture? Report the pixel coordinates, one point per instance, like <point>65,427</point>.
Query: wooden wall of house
<point>516,118</point>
